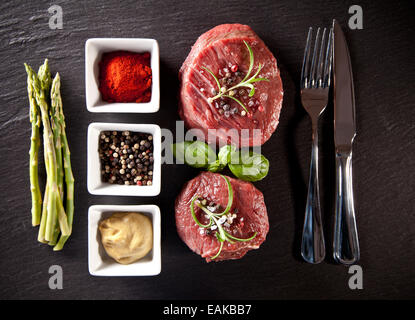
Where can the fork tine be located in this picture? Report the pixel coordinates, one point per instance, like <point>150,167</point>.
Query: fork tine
<point>306,63</point>
<point>313,62</point>
<point>320,64</point>
<point>328,61</point>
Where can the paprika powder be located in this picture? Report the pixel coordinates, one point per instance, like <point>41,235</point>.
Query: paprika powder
<point>125,77</point>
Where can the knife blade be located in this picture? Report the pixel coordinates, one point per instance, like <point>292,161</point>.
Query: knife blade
<point>345,244</point>
<point>344,101</point>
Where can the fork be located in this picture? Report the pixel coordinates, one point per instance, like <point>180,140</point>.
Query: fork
<point>315,83</point>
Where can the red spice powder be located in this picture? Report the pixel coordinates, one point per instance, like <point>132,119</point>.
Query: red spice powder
<point>125,77</point>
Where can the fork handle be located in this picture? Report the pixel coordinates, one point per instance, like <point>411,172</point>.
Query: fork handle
<point>346,244</point>
<point>312,244</point>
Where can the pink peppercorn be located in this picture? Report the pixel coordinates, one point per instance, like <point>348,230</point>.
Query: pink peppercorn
<point>234,68</point>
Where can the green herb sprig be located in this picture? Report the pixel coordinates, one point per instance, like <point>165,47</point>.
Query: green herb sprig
<point>221,234</point>
<point>246,82</point>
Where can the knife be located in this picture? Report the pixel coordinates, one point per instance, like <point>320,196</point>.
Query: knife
<point>345,244</point>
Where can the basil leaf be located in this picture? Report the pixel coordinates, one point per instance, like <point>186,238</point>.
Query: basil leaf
<point>250,167</point>
<point>215,166</point>
<point>225,153</point>
<point>196,154</point>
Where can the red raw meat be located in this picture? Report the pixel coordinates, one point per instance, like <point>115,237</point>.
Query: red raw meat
<point>222,48</point>
<point>251,216</point>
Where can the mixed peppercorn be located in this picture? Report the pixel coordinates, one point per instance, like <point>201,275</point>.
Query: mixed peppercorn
<point>126,157</point>
<point>226,220</point>
<point>229,77</point>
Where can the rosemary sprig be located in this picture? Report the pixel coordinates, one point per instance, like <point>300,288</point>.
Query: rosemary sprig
<point>246,82</point>
<point>221,234</point>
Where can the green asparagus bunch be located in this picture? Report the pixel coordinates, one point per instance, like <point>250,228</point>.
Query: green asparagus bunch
<point>53,217</point>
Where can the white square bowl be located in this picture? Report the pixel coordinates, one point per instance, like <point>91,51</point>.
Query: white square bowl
<point>100,264</point>
<point>94,180</point>
<point>94,48</point>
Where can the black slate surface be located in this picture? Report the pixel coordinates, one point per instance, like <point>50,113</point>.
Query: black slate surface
<point>383,64</point>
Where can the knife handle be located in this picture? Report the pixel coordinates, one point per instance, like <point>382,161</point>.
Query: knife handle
<point>346,244</point>
<point>312,243</point>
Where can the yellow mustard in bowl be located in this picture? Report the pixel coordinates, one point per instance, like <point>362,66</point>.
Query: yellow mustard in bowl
<point>127,236</point>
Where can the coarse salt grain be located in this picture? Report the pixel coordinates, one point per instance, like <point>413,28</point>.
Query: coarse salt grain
<point>221,220</point>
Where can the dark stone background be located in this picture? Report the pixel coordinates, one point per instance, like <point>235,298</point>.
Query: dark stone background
<point>383,64</point>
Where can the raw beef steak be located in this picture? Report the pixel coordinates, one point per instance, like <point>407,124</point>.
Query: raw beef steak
<point>248,211</point>
<point>222,51</point>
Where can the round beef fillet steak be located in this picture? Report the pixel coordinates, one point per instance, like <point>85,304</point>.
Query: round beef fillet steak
<point>222,50</point>
<point>248,206</point>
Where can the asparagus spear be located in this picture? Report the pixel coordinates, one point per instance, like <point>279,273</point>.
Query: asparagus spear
<point>56,102</point>
<point>45,79</point>
<point>56,128</point>
<point>50,220</point>
<point>42,228</point>
<point>33,155</point>
<point>54,206</point>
